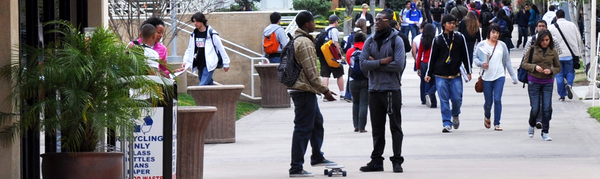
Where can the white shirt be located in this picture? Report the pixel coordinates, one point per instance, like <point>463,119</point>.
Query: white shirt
<point>417,41</point>
<point>152,56</point>
<point>548,17</point>
<point>496,67</point>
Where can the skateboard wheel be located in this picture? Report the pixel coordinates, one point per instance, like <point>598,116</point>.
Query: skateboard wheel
<point>344,173</point>
<point>330,174</point>
<point>326,172</point>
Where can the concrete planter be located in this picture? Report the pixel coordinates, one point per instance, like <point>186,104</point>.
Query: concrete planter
<point>192,122</point>
<point>273,93</point>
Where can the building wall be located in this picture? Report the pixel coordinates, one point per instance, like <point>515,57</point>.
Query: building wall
<point>9,156</point>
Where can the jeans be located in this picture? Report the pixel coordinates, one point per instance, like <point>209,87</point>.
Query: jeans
<point>484,32</point>
<point>414,30</point>
<point>566,71</point>
<point>360,103</point>
<point>405,30</point>
<point>449,90</point>
<point>348,94</point>
<point>274,59</point>
<point>522,36</point>
<point>308,126</point>
<point>205,76</point>
<point>427,88</point>
<point>540,98</point>
<point>492,93</point>
<point>438,27</point>
<point>532,29</point>
<point>380,104</point>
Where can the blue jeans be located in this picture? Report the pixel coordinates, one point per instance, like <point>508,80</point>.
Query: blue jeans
<point>492,93</point>
<point>414,30</point>
<point>522,35</point>
<point>438,27</point>
<point>274,59</point>
<point>360,102</point>
<point>425,87</point>
<point>449,90</point>
<point>308,126</point>
<point>532,29</point>
<point>205,76</point>
<point>405,30</point>
<point>540,96</point>
<point>566,71</point>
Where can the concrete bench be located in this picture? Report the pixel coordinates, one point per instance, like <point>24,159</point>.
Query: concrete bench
<point>192,122</point>
<point>273,93</point>
<point>222,127</point>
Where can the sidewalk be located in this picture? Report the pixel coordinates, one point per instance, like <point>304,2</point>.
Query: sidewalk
<point>263,140</point>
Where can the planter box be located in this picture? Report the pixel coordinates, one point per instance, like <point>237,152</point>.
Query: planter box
<point>273,93</point>
<point>191,125</point>
<point>222,126</point>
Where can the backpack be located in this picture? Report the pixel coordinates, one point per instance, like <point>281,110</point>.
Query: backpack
<point>522,73</point>
<point>356,73</point>
<point>270,44</point>
<point>320,40</point>
<point>503,26</point>
<point>449,6</point>
<point>289,70</point>
<point>460,14</point>
<point>348,42</point>
<point>210,32</point>
<point>486,17</point>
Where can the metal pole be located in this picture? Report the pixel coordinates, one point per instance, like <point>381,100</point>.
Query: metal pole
<point>173,27</point>
<point>594,53</point>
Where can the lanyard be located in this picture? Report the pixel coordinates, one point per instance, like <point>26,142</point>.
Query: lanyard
<point>449,47</point>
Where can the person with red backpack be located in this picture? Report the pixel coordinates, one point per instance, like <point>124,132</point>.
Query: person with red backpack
<point>274,39</point>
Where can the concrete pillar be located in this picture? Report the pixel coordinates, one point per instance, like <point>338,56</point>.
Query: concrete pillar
<point>98,13</point>
<point>9,11</point>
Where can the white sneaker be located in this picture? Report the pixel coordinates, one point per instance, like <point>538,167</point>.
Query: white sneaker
<point>531,131</point>
<point>546,137</point>
<point>427,101</point>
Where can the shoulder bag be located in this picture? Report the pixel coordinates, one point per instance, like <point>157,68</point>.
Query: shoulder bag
<point>479,83</point>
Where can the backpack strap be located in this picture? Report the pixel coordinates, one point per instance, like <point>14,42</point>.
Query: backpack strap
<point>564,39</point>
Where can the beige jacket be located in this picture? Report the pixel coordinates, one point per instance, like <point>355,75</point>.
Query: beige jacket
<point>306,56</point>
<point>546,61</point>
<point>571,32</point>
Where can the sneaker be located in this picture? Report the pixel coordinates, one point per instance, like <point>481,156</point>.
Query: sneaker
<point>569,91</point>
<point>302,173</point>
<point>427,100</point>
<point>561,98</point>
<point>372,167</point>
<point>447,129</point>
<point>546,137</point>
<point>397,168</point>
<point>511,49</point>
<point>348,100</point>
<point>324,162</point>
<point>356,129</point>
<point>538,125</point>
<point>455,122</point>
<point>531,131</point>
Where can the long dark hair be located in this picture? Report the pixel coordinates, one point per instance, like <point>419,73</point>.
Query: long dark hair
<point>534,7</point>
<point>428,35</point>
<point>542,34</point>
<point>502,15</point>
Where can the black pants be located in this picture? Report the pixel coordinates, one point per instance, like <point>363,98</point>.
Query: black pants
<point>380,105</point>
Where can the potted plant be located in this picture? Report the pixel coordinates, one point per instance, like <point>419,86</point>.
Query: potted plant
<point>79,86</point>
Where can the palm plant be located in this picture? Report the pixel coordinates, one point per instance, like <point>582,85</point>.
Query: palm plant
<point>79,86</point>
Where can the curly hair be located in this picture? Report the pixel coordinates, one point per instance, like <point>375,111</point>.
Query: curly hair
<point>155,21</point>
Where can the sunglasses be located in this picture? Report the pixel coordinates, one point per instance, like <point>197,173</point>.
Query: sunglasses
<point>381,20</point>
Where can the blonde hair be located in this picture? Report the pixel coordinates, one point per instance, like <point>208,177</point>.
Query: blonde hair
<point>364,5</point>
<point>472,23</point>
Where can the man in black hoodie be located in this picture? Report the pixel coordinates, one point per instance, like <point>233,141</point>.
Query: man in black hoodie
<point>448,64</point>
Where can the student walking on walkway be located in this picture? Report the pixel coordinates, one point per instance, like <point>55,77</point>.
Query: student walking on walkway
<point>448,57</point>
<point>541,71</point>
<point>493,58</point>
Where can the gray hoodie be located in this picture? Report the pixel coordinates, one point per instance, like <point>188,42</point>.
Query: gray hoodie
<point>279,34</point>
<point>383,77</point>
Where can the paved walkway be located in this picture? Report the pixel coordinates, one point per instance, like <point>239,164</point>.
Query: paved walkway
<point>263,141</point>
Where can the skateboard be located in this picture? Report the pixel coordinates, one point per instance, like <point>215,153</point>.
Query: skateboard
<point>334,170</point>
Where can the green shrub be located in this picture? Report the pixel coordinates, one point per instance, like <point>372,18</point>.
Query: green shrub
<point>317,7</point>
<point>594,112</point>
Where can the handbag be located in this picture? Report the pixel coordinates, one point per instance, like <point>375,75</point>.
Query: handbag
<point>479,83</point>
<point>576,64</point>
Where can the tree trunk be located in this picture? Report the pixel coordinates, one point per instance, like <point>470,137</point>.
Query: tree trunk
<point>587,33</point>
<point>381,3</point>
<point>372,5</point>
<point>348,24</point>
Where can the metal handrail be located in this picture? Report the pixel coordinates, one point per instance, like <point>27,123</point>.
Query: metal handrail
<point>259,57</point>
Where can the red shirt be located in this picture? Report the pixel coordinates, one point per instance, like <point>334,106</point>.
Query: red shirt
<point>359,45</point>
<point>422,54</point>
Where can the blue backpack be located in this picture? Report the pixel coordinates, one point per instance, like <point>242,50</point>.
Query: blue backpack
<point>503,26</point>
<point>356,72</point>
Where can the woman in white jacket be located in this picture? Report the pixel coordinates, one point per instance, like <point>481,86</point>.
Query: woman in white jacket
<point>494,59</point>
<point>203,50</point>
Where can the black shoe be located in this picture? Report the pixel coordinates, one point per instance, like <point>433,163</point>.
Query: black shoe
<point>561,98</point>
<point>397,168</point>
<point>538,125</point>
<point>569,91</point>
<point>372,167</point>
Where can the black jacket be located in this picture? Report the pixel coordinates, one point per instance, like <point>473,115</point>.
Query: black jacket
<point>439,54</point>
<point>523,18</point>
<point>369,18</point>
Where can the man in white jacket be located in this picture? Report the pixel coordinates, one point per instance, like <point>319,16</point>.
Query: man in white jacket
<point>571,40</point>
<point>280,37</point>
<point>203,50</point>
<point>550,15</point>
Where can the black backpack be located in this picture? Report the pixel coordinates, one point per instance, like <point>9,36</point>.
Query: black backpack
<point>522,73</point>
<point>486,17</point>
<point>320,40</point>
<point>449,6</point>
<point>289,70</point>
<point>356,72</point>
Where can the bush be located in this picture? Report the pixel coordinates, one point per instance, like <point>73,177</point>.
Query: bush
<point>320,7</point>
